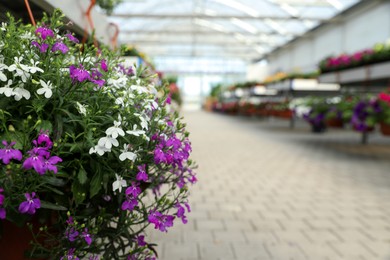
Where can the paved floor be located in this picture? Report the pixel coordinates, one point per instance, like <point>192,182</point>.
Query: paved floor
<point>268,192</point>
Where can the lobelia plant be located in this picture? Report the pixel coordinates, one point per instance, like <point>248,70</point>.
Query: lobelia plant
<point>88,147</point>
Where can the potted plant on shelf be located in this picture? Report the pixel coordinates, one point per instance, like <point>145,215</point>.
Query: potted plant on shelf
<point>317,114</point>
<point>90,156</point>
<point>384,121</point>
<point>366,114</point>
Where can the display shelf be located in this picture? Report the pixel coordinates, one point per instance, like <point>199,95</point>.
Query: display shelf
<point>373,72</point>
<point>302,85</point>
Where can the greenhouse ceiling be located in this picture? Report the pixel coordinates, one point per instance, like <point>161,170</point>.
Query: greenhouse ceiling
<point>218,29</point>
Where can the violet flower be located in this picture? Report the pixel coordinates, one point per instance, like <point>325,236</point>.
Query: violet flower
<point>87,237</point>
<point>72,38</point>
<point>2,210</point>
<point>60,46</point>
<point>42,47</point>
<point>70,255</point>
<point>36,160</point>
<point>141,240</point>
<point>8,153</point>
<point>133,190</point>
<point>160,221</point>
<point>71,234</point>
<point>44,32</point>
<point>44,139</point>
<point>49,164</point>
<point>103,65</point>
<point>79,74</point>
<point>30,205</point>
<point>142,175</point>
<point>129,204</point>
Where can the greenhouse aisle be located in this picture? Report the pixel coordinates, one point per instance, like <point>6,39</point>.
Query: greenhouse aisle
<point>268,192</point>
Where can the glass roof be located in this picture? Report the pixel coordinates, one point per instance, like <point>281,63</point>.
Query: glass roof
<point>195,31</point>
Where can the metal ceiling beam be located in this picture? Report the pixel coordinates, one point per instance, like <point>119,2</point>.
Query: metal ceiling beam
<point>199,42</point>
<point>210,17</point>
<point>211,32</point>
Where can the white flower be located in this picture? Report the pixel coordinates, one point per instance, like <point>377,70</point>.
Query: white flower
<point>3,25</point>
<point>99,150</point>
<point>115,130</point>
<point>126,154</point>
<point>82,108</point>
<point>34,67</point>
<point>20,69</point>
<point>20,92</point>
<point>27,36</point>
<point>119,101</point>
<point>117,83</point>
<point>152,105</point>
<point>144,121</point>
<point>6,90</point>
<point>119,183</point>
<point>46,89</point>
<point>135,131</point>
<point>139,89</point>
<point>3,77</point>
<point>108,142</point>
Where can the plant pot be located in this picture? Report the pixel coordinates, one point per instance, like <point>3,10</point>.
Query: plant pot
<point>285,114</point>
<point>385,129</point>
<point>14,241</point>
<point>335,122</point>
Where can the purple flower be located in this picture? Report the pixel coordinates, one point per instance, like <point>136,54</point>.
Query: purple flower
<point>142,175</point>
<point>42,47</point>
<point>30,205</point>
<point>87,237</point>
<point>72,38</point>
<point>44,139</point>
<point>60,46</point>
<point>103,65</point>
<point>95,77</point>
<point>2,210</point>
<point>129,204</point>
<point>141,240</point>
<point>36,160</point>
<point>79,74</point>
<point>8,153</point>
<point>160,221</point>
<point>159,156</point>
<point>44,32</point>
<point>181,211</point>
<point>168,101</point>
<point>49,164</point>
<point>71,234</point>
<point>3,214</point>
<point>70,255</point>
<point>133,190</point>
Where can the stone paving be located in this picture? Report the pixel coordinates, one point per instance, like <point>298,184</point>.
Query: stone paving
<point>269,192</point>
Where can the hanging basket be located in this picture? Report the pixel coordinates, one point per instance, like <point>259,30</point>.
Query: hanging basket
<point>385,129</point>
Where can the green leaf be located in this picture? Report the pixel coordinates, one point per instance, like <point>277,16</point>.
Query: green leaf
<point>49,205</point>
<point>82,176</point>
<point>79,192</point>
<point>54,190</point>
<point>55,181</point>
<point>96,184</point>
<point>45,126</point>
